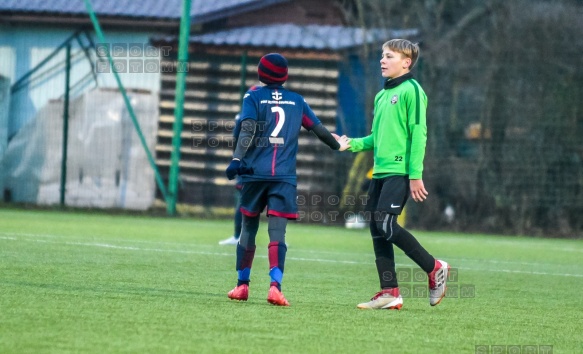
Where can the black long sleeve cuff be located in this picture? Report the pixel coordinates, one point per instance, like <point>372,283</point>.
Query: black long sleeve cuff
<point>325,136</point>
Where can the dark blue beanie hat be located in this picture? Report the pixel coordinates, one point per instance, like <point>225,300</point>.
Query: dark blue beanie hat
<point>272,69</point>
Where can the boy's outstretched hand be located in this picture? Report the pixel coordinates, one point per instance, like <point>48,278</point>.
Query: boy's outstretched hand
<point>343,140</point>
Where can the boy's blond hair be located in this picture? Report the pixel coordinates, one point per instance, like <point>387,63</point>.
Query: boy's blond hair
<point>405,47</point>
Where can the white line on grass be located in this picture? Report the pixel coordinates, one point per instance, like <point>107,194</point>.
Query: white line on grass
<point>494,261</point>
<point>22,234</point>
<point>112,239</point>
<point>201,245</point>
<point>320,260</point>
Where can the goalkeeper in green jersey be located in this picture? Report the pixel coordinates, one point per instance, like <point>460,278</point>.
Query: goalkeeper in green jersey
<point>398,137</point>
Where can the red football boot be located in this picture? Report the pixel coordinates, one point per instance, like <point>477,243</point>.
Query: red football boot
<point>240,293</point>
<point>276,298</point>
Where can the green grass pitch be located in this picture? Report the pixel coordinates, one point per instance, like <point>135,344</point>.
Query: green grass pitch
<point>94,283</point>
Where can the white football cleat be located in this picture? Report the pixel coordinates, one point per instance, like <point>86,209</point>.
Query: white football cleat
<point>386,299</point>
<point>437,282</point>
<point>229,241</point>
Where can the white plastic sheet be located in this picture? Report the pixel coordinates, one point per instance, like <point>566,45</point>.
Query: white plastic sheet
<point>107,166</point>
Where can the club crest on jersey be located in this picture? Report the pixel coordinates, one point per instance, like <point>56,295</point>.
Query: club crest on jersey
<point>276,95</point>
<point>394,99</point>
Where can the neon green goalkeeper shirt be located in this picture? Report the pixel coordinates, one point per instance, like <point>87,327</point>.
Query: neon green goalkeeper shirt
<point>399,130</point>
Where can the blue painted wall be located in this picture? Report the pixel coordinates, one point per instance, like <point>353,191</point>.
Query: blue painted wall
<point>351,98</point>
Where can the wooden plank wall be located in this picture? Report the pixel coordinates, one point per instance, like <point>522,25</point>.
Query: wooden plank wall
<point>212,101</point>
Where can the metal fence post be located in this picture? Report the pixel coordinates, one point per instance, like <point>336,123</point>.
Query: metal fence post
<point>65,125</point>
<point>181,71</point>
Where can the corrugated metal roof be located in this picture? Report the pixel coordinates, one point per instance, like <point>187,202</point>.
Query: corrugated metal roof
<point>202,10</point>
<point>295,36</point>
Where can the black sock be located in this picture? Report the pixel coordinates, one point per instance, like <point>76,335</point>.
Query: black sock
<point>387,274</point>
<point>413,249</point>
<point>387,226</point>
<point>385,259</point>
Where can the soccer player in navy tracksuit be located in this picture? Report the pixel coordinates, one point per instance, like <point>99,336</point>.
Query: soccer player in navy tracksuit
<point>265,157</point>
<point>238,217</point>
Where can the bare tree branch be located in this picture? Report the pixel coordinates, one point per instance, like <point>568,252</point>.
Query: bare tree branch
<point>462,25</point>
